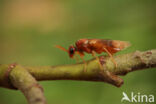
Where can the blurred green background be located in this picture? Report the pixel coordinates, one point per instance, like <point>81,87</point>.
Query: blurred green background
<point>30,28</point>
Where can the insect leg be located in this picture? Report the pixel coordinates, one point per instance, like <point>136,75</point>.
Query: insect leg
<point>85,64</point>
<point>110,55</point>
<point>97,58</point>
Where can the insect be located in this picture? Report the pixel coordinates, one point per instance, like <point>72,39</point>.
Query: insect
<point>93,46</point>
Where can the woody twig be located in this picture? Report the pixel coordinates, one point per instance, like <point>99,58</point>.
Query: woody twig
<point>24,77</point>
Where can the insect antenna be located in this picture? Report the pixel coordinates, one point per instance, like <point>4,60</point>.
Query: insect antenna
<point>60,47</point>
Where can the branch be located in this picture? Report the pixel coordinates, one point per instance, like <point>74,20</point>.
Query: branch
<point>23,78</point>
<point>125,63</point>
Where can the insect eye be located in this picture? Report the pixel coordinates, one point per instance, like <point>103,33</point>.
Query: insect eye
<point>72,50</point>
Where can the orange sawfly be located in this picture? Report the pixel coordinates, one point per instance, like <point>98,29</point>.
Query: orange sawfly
<point>93,46</point>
